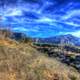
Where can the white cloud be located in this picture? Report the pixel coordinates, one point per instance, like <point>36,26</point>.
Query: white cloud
<point>44,19</point>
<point>13,12</point>
<point>76,33</point>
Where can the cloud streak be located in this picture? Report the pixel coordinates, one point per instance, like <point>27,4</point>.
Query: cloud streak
<point>48,16</point>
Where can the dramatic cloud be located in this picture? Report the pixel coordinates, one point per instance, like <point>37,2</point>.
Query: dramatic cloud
<point>41,18</point>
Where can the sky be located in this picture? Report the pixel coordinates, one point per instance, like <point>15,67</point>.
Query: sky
<point>41,18</point>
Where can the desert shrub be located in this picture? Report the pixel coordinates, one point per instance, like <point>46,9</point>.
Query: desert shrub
<point>72,77</point>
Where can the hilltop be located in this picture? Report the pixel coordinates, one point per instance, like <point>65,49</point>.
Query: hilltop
<point>21,61</point>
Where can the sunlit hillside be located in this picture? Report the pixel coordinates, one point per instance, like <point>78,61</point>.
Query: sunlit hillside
<point>20,61</point>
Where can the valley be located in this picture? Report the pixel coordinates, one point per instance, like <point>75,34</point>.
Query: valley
<point>69,55</point>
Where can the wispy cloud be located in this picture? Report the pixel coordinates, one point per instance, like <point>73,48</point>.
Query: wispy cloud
<point>59,18</point>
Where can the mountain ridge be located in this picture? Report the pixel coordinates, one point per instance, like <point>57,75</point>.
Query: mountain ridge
<point>61,39</point>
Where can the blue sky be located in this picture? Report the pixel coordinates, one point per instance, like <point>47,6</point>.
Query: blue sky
<point>41,18</point>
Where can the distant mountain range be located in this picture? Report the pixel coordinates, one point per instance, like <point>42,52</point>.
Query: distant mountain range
<point>62,39</point>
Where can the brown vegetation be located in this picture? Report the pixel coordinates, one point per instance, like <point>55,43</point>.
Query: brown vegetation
<point>5,33</point>
<point>19,61</point>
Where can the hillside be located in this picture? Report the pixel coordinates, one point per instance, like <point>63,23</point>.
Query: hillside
<point>20,61</point>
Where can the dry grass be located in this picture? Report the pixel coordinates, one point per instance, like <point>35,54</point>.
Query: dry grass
<point>22,62</point>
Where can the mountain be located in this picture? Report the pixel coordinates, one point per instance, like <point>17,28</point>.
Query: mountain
<point>61,39</point>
